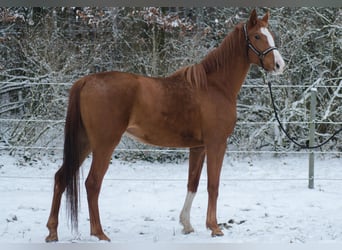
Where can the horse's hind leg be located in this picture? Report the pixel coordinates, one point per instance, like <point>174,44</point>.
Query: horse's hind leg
<point>196,160</point>
<point>99,166</point>
<point>59,188</point>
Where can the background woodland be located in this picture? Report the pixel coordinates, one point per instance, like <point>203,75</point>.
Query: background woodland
<point>44,50</point>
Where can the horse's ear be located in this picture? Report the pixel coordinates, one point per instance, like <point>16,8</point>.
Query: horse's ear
<point>253,19</point>
<point>265,18</point>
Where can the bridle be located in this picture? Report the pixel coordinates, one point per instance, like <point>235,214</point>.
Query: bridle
<point>261,54</point>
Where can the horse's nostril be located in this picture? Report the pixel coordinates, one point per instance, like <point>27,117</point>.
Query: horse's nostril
<point>277,66</point>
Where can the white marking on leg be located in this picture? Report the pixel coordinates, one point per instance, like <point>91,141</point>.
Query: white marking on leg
<point>184,217</point>
<point>279,63</point>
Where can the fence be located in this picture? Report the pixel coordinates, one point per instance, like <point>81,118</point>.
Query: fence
<point>52,129</point>
<point>46,128</point>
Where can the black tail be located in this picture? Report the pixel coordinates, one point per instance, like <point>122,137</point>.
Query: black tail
<point>72,152</point>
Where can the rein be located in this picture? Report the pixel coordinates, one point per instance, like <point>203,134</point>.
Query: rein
<point>283,129</point>
<point>261,55</point>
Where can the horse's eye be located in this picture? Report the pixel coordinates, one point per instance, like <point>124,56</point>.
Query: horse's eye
<point>257,37</point>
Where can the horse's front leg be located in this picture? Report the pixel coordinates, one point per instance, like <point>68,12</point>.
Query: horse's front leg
<point>196,160</point>
<point>215,155</point>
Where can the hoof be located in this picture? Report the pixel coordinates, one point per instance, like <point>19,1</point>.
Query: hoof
<point>188,230</point>
<point>51,238</point>
<point>216,233</point>
<point>102,237</point>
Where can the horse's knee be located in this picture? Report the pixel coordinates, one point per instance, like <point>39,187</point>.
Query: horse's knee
<point>213,191</point>
<point>193,186</point>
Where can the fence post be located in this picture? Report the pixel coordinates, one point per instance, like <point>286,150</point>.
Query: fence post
<point>312,137</point>
<point>21,105</point>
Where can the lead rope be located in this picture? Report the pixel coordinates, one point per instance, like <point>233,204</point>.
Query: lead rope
<point>283,129</point>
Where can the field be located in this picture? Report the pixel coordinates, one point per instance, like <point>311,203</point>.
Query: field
<point>263,199</point>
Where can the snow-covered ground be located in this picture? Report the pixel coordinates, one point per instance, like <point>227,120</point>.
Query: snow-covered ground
<point>265,196</point>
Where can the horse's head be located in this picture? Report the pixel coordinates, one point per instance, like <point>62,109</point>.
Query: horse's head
<point>261,48</point>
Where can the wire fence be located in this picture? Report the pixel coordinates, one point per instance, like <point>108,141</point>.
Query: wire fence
<point>50,124</point>
<point>270,179</point>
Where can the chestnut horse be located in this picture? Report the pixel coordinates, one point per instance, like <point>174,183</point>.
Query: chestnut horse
<point>193,108</point>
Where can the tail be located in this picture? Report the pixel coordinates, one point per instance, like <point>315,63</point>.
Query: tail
<point>72,152</point>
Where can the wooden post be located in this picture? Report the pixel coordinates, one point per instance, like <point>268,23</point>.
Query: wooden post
<point>312,137</point>
<point>21,104</point>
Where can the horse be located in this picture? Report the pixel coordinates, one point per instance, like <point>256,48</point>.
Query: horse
<point>195,108</point>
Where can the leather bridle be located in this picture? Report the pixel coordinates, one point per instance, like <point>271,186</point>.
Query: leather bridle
<point>261,54</point>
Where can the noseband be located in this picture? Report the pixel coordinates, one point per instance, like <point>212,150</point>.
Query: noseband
<point>261,54</point>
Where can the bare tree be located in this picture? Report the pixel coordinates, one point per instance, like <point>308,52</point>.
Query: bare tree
<point>44,50</point>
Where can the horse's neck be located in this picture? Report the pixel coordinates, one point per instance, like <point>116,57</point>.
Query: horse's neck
<point>228,65</point>
<point>230,80</point>
<point>235,78</point>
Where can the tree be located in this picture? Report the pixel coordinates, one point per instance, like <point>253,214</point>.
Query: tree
<point>44,50</point>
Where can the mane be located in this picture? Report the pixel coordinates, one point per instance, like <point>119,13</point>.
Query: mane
<point>218,59</point>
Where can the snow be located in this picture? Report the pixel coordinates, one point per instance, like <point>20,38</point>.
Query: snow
<point>266,198</point>
<point>175,23</point>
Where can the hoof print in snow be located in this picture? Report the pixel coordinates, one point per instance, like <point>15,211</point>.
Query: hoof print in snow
<point>224,226</point>
<point>241,222</point>
<point>12,218</point>
<point>230,223</point>
<point>148,219</point>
